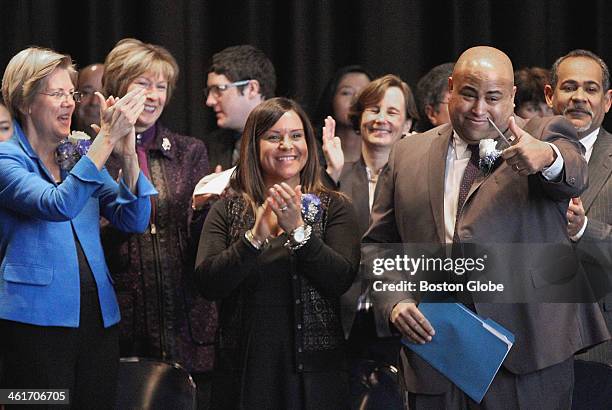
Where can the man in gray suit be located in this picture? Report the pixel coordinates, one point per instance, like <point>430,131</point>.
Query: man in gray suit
<point>580,91</point>
<point>422,198</point>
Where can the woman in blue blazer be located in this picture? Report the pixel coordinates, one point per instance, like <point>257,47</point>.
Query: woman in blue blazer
<point>58,310</point>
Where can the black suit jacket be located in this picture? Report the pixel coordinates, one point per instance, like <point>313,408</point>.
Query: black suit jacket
<point>220,146</point>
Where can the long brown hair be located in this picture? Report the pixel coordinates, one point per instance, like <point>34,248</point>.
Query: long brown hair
<point>248,178</point>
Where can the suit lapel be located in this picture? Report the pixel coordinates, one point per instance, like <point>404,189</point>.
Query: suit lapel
<point>361,198</point>
<point>600,167</point>
<point>437,166</point>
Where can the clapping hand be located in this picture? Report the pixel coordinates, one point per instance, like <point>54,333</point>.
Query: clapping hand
<point>117,119</point>
<point>575,216</point>
<point>286,203</point>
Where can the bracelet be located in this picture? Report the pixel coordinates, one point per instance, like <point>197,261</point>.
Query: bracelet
<point>298,237</point>
<point>248,235</point>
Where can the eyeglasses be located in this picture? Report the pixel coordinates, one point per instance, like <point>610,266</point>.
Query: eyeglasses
<point>60,95</point>
<point>216,90</point>
<point>87,93</point>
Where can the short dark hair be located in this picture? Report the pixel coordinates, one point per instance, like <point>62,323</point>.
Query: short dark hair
<point>430,90</point>
<point>245,62</point>
<point>248,179</point>
<point>375,91</point>
<point>530,84</point>
<point>325,106</point>
<point>605,72</point>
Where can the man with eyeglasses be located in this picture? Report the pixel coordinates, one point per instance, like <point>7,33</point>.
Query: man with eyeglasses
<point>239,78</point>
<point>432,97</point>
<point>88,110</point>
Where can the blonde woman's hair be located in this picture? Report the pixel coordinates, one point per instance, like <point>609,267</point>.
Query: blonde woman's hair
<point>131,58</point>
<point>26,75</point>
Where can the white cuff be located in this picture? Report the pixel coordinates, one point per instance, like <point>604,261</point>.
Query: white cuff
<point>577,237</point>
<point>554,170</point>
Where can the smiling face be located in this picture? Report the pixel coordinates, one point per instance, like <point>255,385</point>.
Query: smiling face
<point>478,91</point>
<point>579,95</point>
<point>382,124</point>
<point>283,151</point>
<point>6,125</point>
<point>156,86</point>
<point>48,115</point>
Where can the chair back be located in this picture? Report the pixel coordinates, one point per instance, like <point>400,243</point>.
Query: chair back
<point>153,384</point>
<point>592,385</point>
<point>374,386</point>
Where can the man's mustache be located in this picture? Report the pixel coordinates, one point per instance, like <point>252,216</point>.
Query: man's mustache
<point>585,110</point>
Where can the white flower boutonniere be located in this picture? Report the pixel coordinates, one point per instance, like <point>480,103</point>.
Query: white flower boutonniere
<point>166,145</point>
<point>489,154</point>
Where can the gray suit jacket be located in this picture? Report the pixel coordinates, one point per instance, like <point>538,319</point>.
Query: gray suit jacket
<point>502,207</point>
<point>596,243</point>
<point>354,183</point>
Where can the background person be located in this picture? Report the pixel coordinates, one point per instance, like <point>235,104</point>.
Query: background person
<point>580,91</point>
<point>6,123</point>
<point>529,99</point>
<point>336,100</point>
<point>239,78</point>
<point>88,109</point>
<point>432,97</point>
<point>278,273</point>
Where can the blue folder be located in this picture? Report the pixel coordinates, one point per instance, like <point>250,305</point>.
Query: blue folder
<point>466,348</point>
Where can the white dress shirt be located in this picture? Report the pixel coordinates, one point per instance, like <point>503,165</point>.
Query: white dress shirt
<point>457,158</point>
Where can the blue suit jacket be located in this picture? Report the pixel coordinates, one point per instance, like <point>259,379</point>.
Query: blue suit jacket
<point>39,272</point>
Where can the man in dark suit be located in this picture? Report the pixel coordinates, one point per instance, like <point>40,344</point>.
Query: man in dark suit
<point>422,198</point>
<point>580,91</point>
<point>239,78</point>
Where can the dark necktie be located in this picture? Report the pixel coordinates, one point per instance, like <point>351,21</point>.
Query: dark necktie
<point>470,173</point>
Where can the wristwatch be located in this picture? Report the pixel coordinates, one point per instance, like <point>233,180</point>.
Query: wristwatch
<point>298,237</point>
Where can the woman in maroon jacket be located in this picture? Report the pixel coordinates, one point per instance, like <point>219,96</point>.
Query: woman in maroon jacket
<point>163,316</point>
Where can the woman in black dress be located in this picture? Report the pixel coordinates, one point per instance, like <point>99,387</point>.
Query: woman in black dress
<point>277,255</point>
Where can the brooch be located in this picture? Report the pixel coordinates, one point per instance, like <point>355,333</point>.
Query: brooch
<point>71,149</point>
<point>311,208</point>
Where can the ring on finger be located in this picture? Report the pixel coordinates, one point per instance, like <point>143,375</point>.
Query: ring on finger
<point>283,208</point>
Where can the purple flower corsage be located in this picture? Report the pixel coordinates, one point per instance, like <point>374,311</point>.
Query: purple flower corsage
<point>489,154</point>
<point>311,208</point>
<point>71,149</point>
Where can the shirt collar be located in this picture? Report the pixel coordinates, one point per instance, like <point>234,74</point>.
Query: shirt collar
<point>460,146</point>
<point>589,140</point>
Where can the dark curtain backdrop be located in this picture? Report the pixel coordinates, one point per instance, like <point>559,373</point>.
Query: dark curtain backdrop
<point>306,39</point>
